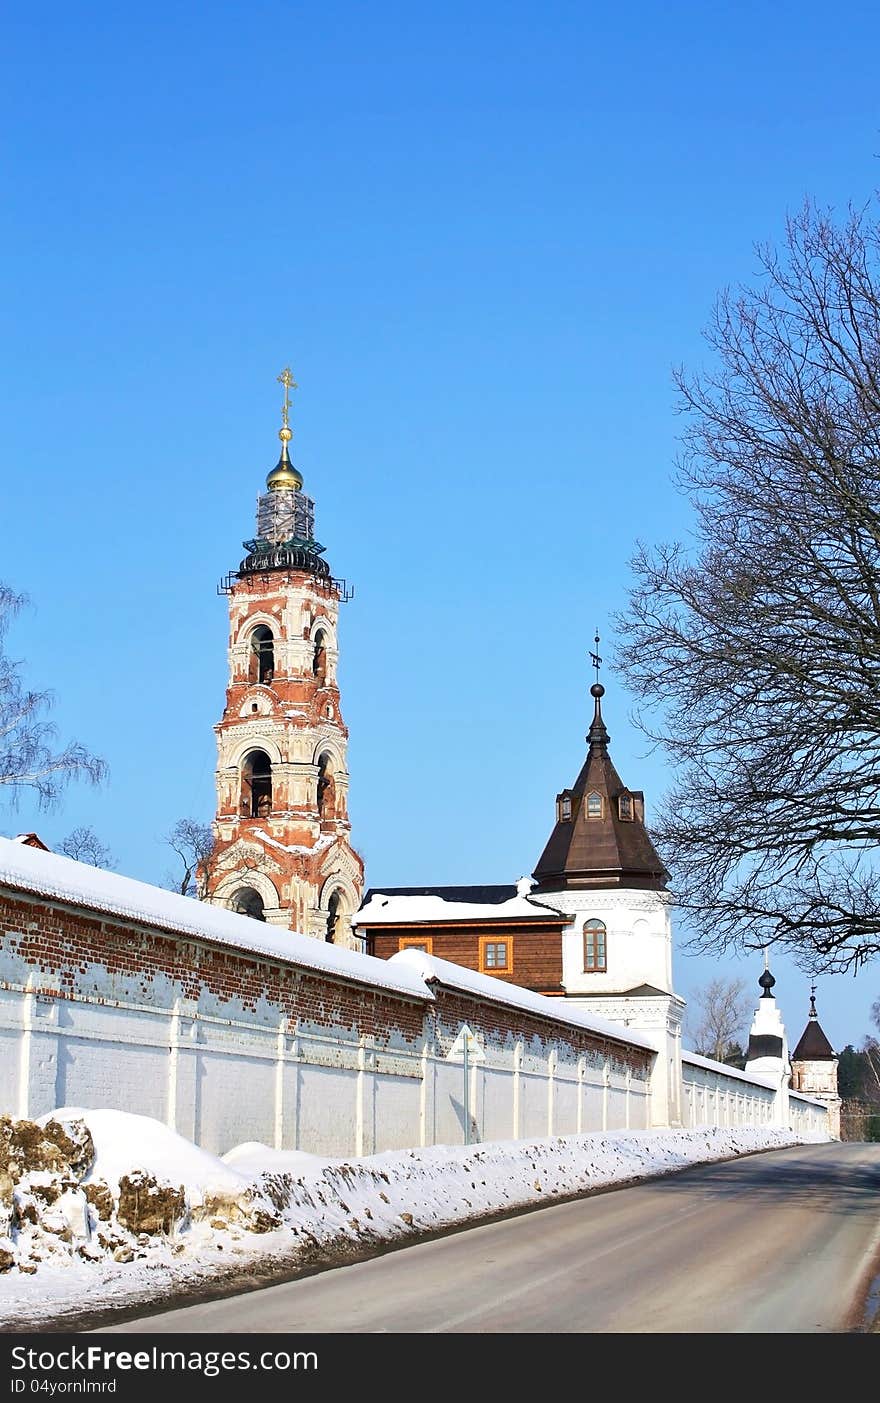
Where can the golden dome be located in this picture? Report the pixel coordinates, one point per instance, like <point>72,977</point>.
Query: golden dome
<point>284,476</point>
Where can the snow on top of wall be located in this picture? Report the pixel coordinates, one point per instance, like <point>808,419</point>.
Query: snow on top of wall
<point>381,910</point>
<point>697,1061</point>
<point>499,991</point>
<point>76,883</point>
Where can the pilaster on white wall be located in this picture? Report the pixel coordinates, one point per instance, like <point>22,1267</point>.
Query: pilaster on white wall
<point>220,1080</point>
<point>660,1018</point>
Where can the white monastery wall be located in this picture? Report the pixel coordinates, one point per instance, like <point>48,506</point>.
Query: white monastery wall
<point>714,1094</point>
<point>229,1030</point>
<point>116,994</point>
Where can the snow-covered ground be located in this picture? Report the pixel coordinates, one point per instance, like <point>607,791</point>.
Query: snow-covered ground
<point>128,1212</point>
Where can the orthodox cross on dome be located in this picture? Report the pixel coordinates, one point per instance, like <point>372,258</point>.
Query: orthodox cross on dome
<point>284,476</point>
<point>286,379</point>
<point>813,1013</point>
<point>766,981</point>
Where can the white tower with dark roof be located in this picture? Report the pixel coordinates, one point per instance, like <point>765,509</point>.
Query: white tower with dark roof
<point>601,869</point>
<point>814,1068</point>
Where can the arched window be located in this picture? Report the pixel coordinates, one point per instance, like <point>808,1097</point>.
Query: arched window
<point>319,659</point>
<point>326,788</point>
<point>256,785</point>
<point>248,903</point>
<point>594,805</point>
<point>262,657</point>
<point>594,947</point>
<point>333,916</point>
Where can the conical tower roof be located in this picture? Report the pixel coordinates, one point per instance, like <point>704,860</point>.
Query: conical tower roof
<point>813,1045</point>
<point>600,839</point>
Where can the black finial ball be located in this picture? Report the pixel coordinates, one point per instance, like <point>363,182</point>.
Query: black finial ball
<point>766,982</point>
<point>597,690</point>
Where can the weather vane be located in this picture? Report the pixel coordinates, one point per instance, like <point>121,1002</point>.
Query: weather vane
<point>287,380</point>
<point>594,657</point>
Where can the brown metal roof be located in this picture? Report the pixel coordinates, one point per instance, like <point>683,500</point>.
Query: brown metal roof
<point>813,1046</point>
<point>605,851</point>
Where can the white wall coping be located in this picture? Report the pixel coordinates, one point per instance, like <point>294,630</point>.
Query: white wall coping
<point>486,986</point>
<point>766,1083</point>
<point>26,869</point>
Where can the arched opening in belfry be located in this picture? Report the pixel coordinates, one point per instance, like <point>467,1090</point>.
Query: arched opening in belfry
<point>261,666</point>
<point>326,787</point>
<point>256,785</point>
<point>319,658</point>
<point>248,902</point>
<point>334,911</point>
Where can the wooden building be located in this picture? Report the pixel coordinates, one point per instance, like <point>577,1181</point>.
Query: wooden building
<point>496,930</point>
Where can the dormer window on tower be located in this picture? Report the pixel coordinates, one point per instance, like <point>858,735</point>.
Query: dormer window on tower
<point>625,808</point>
<point>595,808</point>
<point>563,808</point>
<point>262,660</point>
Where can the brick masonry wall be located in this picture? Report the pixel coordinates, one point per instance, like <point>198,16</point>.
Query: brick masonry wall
<point>227,1046</point>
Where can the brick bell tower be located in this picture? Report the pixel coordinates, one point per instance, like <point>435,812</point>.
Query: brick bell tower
<point>283,852</point>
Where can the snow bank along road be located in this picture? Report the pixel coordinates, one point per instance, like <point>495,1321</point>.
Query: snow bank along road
<point>778,1242</point>
<point>109,1212</point>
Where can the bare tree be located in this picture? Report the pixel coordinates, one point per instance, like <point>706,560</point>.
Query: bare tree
<point>29,756</point>
<point>718,1017</point>
<point>871,1050</point>
<point>193,842</point>
<point>202,870</point>
<point>755,654</point>
<point>84,844</point>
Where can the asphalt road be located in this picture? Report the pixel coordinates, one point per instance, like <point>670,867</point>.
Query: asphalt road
<point>777,1242</point>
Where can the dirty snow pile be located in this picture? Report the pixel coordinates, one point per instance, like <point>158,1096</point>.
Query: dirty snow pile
<point>104,1210</point>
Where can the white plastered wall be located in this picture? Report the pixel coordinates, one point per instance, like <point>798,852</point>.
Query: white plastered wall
<point>638,943</point>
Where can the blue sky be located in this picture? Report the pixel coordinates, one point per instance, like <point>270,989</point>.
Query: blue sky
<point>482,235</point>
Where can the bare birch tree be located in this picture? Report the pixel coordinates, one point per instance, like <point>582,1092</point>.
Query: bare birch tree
<point>83,844</point>
<point>30,757</point>
<point>193,842</point>
<point>201,871</point>
<point>718,1017</point>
